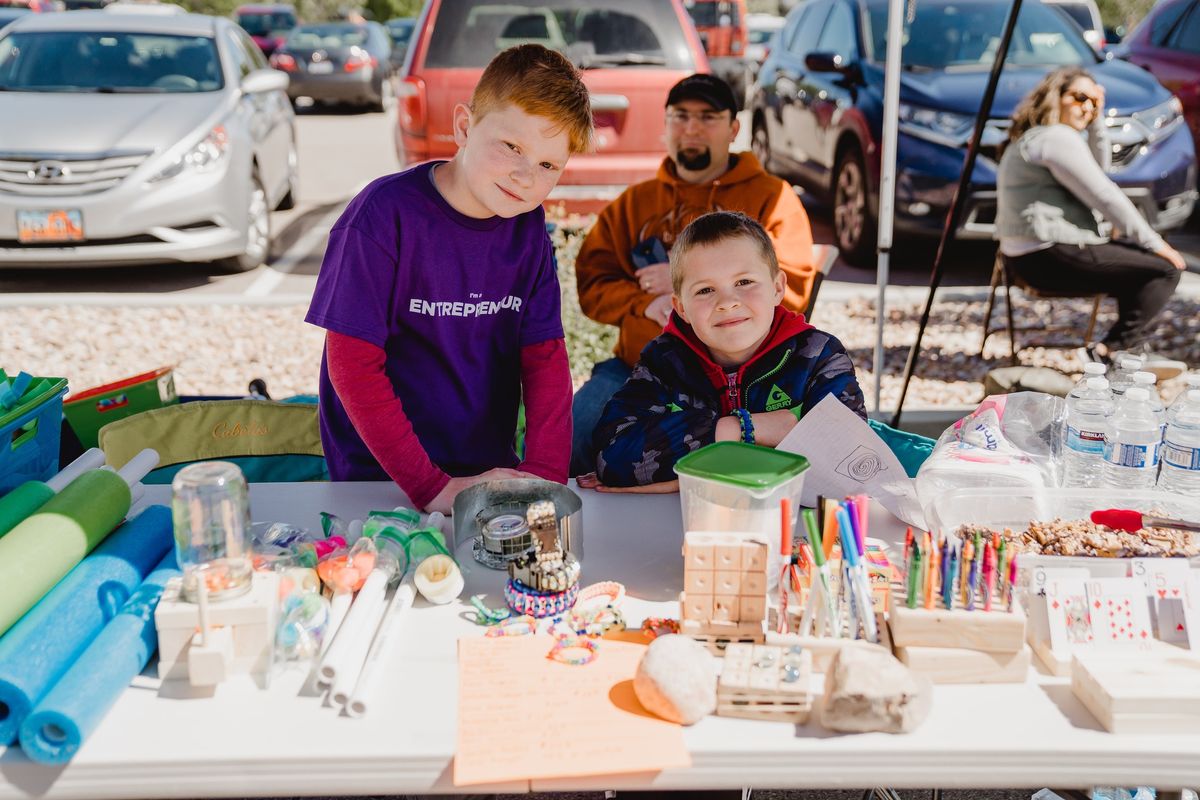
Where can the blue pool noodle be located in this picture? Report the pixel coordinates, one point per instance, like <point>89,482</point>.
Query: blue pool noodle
<point>36,651</point>
<point>65,717</point>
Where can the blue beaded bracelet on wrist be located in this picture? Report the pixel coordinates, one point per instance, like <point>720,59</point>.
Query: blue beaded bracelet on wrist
<point>746,423</point>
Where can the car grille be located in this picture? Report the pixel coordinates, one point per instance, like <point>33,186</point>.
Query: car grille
<point>41,175</point>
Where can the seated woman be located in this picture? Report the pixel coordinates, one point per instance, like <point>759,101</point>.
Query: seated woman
<point>1049,181</point>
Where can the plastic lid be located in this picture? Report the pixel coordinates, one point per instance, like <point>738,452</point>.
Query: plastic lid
<point>1094,368</point>
<point>741,464</point>
<point>1137,394</point>
<point>1147,378</point>
<point>1097,384</point>
<point>1129,363</point>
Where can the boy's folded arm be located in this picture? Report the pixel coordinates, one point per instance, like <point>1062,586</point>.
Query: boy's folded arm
<point>834,374</point>
<point>356,370</point>
<point>546,386</point>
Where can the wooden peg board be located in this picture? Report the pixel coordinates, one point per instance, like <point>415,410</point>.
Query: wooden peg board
<point>755,683</point>
<point>959,665</point>
<point>995,631</point>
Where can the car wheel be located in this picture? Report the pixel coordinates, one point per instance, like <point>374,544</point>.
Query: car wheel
<point>293,191</point>
<point>258,232</point>
<point>853,225</point>
<point>760,144</point>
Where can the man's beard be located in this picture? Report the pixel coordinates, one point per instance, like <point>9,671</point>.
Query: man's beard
<point>695,162</point>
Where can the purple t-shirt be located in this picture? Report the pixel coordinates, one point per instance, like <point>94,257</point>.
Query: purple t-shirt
<point>451,300</point>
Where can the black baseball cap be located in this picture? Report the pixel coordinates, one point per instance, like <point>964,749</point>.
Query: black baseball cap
<point>705,88</point>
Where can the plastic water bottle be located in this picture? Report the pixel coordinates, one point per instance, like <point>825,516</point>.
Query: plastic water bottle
<point>1122,376</point>
<point>1147,380</point>
<point>1181,448</point>
<point>1132,448</point>
<point>1190,381</point>
<point>1086,431</point>
<point>1092,369</point>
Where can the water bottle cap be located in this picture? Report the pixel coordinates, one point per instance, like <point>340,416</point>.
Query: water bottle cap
<point>1097,384</point>
<point>1137,394</point>
<point>1145,378</point>
<point>1129,363</point>
<point>1094,368</point>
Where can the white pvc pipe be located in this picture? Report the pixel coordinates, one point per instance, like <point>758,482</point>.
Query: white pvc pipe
<point>366,603</point>
<point>356,656</point>
<point>139,466</point>
<point>339,606</point>
<point>91,459</point>
<point>381,650</point>
<point>887,175</point>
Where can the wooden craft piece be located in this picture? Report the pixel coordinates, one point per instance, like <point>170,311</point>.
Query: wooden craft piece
<point>959,665</point>
<point>1153,690</point>
<point>718,636</point>
<point>996,631</point>
<point>725,583</point>
<point>766,683</point>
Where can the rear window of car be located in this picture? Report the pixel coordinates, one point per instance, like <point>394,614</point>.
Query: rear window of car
<point>949,35</point>
<point>98,61</point>
<point>1079,12</point>
<point>312,37</point>
<point>262,24</point>
<point>708,15</point>
<point>592,33</point>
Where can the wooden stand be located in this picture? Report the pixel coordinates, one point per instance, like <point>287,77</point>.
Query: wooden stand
<point>717,636</point>
<point>996,631</point>
<point>765,683</point>
<point>1149,690</point>
<point>824,648</point>
<point>959,665</point>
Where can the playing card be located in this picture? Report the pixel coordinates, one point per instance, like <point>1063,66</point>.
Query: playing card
<point>1067,612</point>
<point>1119,611</point>
<point>1190,609</point>
<point>1165,580</point>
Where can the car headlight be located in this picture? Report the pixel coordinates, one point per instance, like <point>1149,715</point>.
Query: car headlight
<point>1161,119</point>
<point>943,127</point>
<point>204,156</point>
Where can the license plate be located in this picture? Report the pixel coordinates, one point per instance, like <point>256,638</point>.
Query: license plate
<point>320,68</point>
<point>58,225</point>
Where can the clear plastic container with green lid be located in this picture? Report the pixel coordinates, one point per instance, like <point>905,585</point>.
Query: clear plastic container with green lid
<point>735,487</point>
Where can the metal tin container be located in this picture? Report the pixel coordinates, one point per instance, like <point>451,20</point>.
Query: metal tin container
<point>489,504</point>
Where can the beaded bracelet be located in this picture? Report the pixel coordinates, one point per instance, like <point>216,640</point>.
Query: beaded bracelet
<point>611,592</point>
<point>590,646</point>
<point>653,627</point>
<point>588,622</point>
<point>747,425</point>
<point>524,600</point>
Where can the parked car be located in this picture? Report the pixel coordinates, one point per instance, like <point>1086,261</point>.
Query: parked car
<point>268,25</point>
<point>1167,44</point>
<point>631,53</point>
<point>339,62</point>
<point>723,32</point>
<point>818,113</point>
<point>760,30</point>
<point>163,138</point>
<point>8,14</point>
<point>400,30</point>
<point>1085,14</point>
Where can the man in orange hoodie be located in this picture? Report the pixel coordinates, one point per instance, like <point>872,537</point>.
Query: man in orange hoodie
<point>622,271</point>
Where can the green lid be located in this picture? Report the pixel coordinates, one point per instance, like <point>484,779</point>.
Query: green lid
<point>740,464</point>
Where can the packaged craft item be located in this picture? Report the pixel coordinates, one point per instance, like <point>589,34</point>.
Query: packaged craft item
<point>545,581</point>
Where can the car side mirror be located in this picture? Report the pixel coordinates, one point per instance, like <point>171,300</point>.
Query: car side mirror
<point>825,62</point>
<point>265,80</point>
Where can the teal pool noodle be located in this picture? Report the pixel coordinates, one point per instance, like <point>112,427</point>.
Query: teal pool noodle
<point>65,717</point>
<point>45,642</point>
<point>21,502</point>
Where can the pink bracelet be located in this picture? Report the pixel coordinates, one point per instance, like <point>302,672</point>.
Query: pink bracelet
<point>611,591</point>
<point>523,600</point>
<point>590,646</point>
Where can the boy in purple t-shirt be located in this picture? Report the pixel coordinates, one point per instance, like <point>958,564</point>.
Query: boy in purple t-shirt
<point>440,299</point>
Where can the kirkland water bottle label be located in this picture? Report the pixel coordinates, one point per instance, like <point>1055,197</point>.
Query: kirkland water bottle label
<point>1138,456</point>
<point>1181,457</point>
<point>1089,442</point>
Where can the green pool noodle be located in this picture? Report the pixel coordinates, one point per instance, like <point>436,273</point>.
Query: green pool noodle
<point>21,502</point>
<point>44,547</point>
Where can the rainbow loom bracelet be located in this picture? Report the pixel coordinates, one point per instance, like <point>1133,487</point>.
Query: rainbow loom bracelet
<point>589,646</point>
<point>523,600</point>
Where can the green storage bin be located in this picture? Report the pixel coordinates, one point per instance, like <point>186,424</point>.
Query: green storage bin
<point>92,409</point>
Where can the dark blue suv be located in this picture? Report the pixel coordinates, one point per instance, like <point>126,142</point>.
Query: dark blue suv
<point>818,108</point>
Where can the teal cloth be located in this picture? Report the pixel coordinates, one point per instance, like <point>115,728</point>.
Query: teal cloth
<point>910,449</point>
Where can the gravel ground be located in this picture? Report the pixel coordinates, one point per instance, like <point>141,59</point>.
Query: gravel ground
<point>218,350</point>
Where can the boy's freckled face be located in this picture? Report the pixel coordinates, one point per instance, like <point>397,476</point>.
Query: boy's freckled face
<point>511,159</point>
<point>729,298</point>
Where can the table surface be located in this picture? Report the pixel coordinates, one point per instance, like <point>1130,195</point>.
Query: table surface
<point>245,740</point>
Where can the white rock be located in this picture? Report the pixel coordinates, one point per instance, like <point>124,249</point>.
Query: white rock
<point>868,689</point>
<point>676,679</point>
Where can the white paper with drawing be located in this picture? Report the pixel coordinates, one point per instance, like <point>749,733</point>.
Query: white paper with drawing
<point>847,457</point>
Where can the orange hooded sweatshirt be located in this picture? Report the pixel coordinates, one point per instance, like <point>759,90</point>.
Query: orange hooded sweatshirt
<point>663,207</point>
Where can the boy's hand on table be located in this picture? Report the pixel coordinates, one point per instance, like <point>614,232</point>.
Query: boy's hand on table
<point>444,502</point>
<point>655,279</point>
<point>659,309</point>
<point>770,427</point>
<point>590,481</point>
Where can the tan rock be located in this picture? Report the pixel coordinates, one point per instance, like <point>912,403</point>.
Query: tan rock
<point>868,689</point>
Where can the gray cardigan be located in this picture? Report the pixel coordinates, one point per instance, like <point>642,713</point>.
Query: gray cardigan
<point>1052,188</point>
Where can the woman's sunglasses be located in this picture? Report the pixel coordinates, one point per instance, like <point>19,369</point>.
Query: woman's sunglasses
<point>1083,97</point>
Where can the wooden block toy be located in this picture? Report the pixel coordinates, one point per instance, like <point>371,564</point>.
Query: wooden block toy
<point>959,665</point>
<point>1155,689</point>
<point>753,584</point>
<point>699,582</point>
<point>697,607</point>
<point>728,556</point>
<point>248,620</point>
<point>766,683</point>
<point>698,552</point>
<point>716,636</point>
<point>752,607</point>
<point>725,578</point>
<point>996,631</point>
<point>727,582</point>
<point>725,608</point>
<point>754,557</point>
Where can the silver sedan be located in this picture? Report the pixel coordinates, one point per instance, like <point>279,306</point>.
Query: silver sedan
<point>144,136</point>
